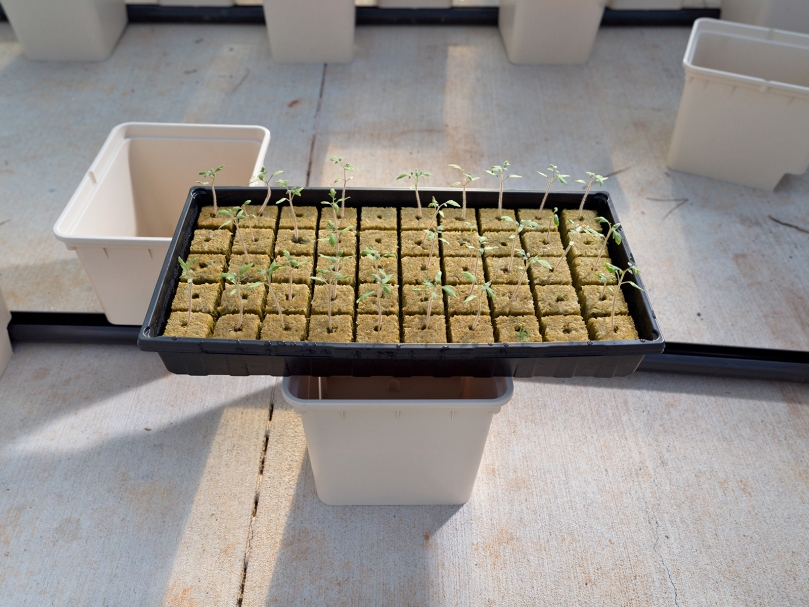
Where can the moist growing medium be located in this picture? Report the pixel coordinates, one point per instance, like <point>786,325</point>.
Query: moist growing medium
<point>565,294</point>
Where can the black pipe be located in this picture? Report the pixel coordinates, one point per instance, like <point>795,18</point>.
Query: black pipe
<point>366,15</point>
<point>679,358</point>
<point>69,327</point>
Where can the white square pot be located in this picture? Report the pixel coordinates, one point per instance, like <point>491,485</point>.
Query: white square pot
<point>645,5</point>
<point>121,218</point>
<point>310,31</point>
<point>744,113</point>
<point>549,31</point>
<point>66,30</point>
<point>396,441</point>
<point>791,15</point>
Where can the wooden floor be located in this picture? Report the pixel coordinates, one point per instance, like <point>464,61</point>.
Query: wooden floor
<point>718,267</point>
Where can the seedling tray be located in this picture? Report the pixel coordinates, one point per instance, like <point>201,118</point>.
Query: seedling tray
<point>209,356</point>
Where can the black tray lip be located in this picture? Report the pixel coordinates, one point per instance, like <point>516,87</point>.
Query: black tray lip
<point>475,199</point>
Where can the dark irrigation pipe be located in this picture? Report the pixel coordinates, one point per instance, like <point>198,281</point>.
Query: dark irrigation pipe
<point>679,358</point>
<point>151,13</point>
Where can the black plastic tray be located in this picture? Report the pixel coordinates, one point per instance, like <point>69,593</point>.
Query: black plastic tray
<point>194,356</point>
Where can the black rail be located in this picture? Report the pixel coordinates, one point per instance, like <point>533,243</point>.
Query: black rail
<point>679,358</point>
<point>487,15</point>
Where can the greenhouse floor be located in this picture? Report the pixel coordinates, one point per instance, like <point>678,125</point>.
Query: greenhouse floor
<point>121,484</point>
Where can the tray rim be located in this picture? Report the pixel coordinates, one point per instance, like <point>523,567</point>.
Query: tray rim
<point>348,350</point>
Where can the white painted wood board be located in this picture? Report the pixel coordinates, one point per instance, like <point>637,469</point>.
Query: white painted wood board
<point>97,510</point>
<point>650,490</point>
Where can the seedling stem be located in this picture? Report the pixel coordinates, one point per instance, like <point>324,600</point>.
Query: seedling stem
<point>382,288</point>
<point>527,262</point>
<point>500,172</point>
<point>552,177</point>
<point>291,193</point>
<point>432,289</point>
<point>347,167</point>
<point>211,174</point>
<point>293,264</point>
<point>553,221</point>
<point>268,277</point>
<point>616,236</point>
<point>620,275</point>
<point>478,251</point>
<point>236,280</point>
<point>265,179</point>
<point>466,179</point>
<point>236,219</point>
<point>415,175</point>
<point>484,290</point>
<point>593,179</point>
<point>519,227</point>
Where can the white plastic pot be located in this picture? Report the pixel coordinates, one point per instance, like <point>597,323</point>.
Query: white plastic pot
<point>5,342</point>
<point>396,441</point>
<point>67,30</point>
<point>792,15</point>
<point>121,218</point>
<point>744,114</point>
<point>549,31</point>
<point>310,31</point>
<point>644,5</point>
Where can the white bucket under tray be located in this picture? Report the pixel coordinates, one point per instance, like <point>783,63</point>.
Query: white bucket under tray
<point>396,441</point>
<point>121,218</point>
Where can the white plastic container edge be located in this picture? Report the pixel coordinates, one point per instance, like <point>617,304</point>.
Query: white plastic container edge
<point>505,390</point>
<point>64,227</point>
<point>744,32</point>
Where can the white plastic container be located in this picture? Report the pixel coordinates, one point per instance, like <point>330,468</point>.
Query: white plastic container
<point>396,441</point>
<point>310,31</point>
<point>121,218</point>
<point>549,31</point>
<point>5,342</point>
<point>744,114</point>
<point>67,30</point>
<point>645,5</point>
<point>792,15</point>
